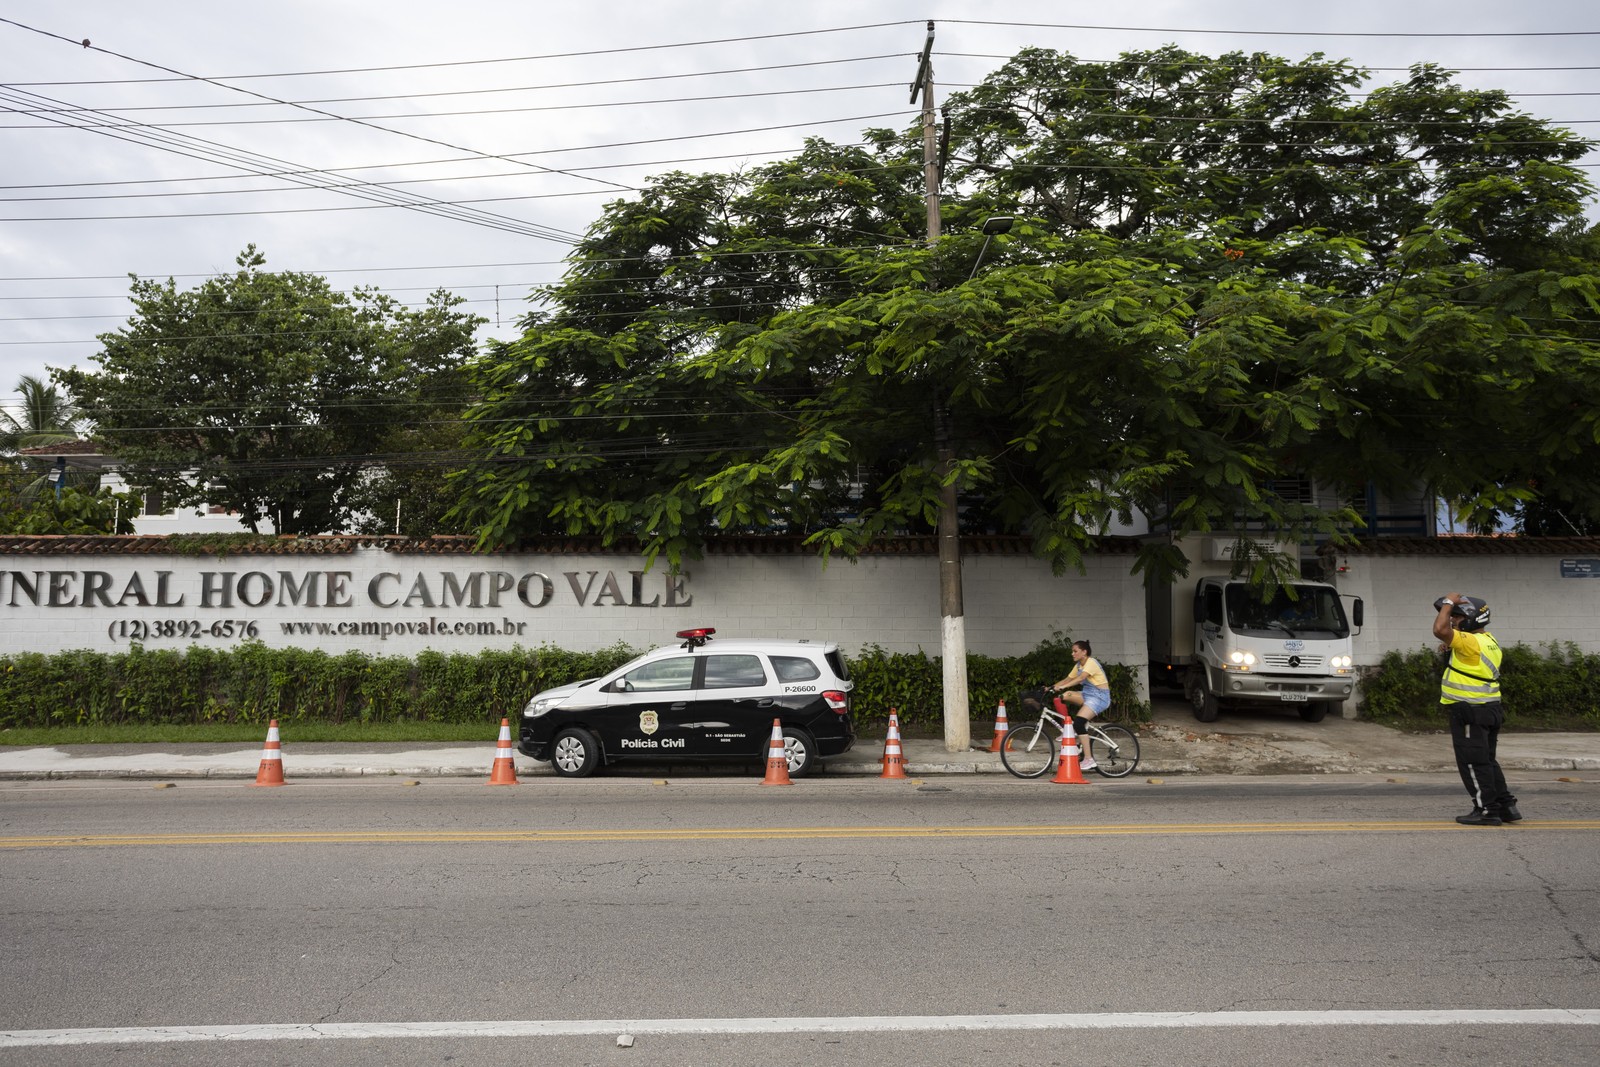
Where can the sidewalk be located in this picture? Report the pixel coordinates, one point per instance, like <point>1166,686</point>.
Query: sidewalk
<point>1254,743</point>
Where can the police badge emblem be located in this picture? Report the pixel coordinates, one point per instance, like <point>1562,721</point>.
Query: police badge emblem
<point>648,722</point>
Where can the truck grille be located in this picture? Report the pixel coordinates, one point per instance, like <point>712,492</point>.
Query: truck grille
<point>1294,661</point>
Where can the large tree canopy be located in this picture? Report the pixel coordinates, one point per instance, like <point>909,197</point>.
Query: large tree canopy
<point>266,392</point>
<point>1226,273</point>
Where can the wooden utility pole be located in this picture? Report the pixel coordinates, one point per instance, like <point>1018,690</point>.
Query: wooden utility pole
<point>930,135</point>
<point>952,611</point>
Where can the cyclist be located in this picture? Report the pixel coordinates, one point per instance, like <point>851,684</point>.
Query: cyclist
<point>1093,696</point>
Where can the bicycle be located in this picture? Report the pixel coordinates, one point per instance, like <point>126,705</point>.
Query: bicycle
<point>1029,751</point>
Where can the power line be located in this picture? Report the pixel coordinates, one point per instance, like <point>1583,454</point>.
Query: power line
<point>319,116</point>
<point>806,33</point>
<point>1364,67</point>
<point>764,69</point>
<point>1391,34</point>
<point>240,159</point>
<point>328,117</point>
<point>419,203</point>
<point>472,62</point>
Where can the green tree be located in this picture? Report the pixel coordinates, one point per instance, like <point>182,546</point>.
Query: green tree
<point>24,510</point>
<point>266,392</point>
<point>1229,273</point>
<point>43,417</point>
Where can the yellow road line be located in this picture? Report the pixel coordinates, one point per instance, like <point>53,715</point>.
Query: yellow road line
<point>751,833</point>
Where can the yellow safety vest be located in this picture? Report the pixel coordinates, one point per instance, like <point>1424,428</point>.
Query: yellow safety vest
<point>1472,681</point>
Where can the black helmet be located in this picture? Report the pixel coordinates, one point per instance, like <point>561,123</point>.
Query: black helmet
<point>1472,611</point>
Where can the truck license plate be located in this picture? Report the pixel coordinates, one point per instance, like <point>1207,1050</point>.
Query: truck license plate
<point>1292,697</point>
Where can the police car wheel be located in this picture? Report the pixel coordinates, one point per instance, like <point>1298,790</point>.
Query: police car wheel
<point>575,753</point>
<point>801,750</point>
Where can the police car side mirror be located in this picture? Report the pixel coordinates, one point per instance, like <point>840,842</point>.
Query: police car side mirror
<point>624,686</point>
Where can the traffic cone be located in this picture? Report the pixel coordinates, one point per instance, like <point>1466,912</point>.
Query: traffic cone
<point>504,771</point>
<point>1067,771</point>
<point>777,762</point>
<point>894,759</point>
<point>1001,728</point>
<point>271,770</point>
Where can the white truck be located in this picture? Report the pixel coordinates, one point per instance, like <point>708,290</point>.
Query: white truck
<point>1226,643</point>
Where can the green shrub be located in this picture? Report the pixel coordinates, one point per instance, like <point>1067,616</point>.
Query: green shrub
<point>252,683</point>
<point>1556,690</point>
<point>912,683</point>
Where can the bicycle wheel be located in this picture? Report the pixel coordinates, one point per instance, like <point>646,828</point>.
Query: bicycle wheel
<point>1117,753</point>
<point>1029,751</point>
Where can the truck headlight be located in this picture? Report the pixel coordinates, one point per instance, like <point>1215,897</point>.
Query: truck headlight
<point>1242,659</point>
<point>1342,663</point>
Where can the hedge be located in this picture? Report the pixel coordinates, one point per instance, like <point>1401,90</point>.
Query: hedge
<point>912,683</point>
<point>1558,689</point>
<point>253,683</point>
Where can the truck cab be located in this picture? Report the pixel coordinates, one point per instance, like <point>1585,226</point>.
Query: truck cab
<point>1293,648</point>
<point>1228,641</point>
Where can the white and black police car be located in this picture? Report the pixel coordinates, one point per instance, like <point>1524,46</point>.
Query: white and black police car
<point>698,702</point>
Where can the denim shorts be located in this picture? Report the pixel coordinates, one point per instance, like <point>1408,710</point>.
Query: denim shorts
<point>1096,699</point>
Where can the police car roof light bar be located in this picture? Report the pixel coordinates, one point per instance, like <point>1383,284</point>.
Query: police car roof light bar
<point>693,639</point>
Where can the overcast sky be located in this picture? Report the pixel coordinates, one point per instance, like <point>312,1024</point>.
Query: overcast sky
<point>528,121</point>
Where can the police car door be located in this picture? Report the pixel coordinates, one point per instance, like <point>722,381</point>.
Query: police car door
<point>736,708</point>
<point>648,707</point>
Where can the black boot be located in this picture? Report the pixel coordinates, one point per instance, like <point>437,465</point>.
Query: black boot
<point>1509,813</point>
<point>1478,817</point>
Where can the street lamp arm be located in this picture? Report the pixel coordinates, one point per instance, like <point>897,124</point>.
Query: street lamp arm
<point>991,226</point>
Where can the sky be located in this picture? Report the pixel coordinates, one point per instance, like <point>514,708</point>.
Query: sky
<point>160,139</point>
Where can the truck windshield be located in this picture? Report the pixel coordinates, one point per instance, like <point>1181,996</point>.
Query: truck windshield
<point>1309,611</point>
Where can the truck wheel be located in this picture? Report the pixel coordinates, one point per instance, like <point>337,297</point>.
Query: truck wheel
<point>1204,702</point>
<point>1315,710</point>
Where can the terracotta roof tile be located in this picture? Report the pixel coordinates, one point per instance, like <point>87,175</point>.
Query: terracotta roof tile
<point>64,448</point>
<point>461,545</point>
<point>1470,545</point>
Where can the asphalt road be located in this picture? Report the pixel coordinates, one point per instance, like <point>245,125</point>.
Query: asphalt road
<point>841,921</point>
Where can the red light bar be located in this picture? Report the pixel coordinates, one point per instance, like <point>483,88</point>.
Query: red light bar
<point>697,634</point>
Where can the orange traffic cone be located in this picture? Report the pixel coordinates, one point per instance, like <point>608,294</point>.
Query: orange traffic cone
<point>1001,728</point>
<point>271,770</point>
<point>894,759</point>
<point>504,771</point>
<point>1068,772</point>
<point>777,761</point>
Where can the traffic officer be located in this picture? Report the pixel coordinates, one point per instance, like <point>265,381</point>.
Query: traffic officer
<point>1469,692</point>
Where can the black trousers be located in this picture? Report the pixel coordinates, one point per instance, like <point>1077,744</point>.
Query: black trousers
<point>1475,734</point>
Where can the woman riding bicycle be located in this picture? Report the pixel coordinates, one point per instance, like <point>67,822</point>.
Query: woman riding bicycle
<point>1093,697</point>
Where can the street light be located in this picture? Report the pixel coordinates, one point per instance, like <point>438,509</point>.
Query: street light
<point>952,610</point>
<point>992,225</point>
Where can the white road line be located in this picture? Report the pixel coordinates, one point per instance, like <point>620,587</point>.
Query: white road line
<point>1152,1020</point>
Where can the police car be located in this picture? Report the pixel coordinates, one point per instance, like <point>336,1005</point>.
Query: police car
<point>698,701</point>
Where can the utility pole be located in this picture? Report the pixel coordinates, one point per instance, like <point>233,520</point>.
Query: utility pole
<point>930,136</point>
<point>952,612</point>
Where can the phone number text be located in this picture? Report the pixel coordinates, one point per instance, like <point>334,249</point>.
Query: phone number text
<point>180,629</point>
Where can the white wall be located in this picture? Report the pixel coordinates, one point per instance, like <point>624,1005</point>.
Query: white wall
<point>890,600</point>
<point>105,602</point>
<point>1529,600</point>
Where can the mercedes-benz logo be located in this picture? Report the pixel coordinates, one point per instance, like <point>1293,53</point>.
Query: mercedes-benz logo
<point>1294,661</point>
